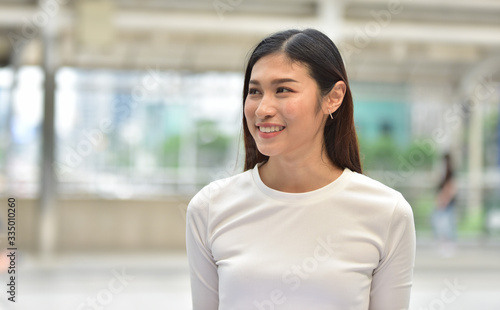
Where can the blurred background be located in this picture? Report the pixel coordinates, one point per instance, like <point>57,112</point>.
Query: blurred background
<point>114,113</point>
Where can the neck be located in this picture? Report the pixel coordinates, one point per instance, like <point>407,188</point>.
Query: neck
<point>299,175</point>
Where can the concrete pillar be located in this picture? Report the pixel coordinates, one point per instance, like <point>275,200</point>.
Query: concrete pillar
<point>480,89</point>
<point>475,164</point>
<point>48,181</point>
<point>498,141</point>
<point>331,18</point>
<point>187,173</point>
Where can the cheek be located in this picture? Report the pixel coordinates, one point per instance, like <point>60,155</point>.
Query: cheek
<point>302,108</point>
<point>249,109</point>
<point>294,109</point>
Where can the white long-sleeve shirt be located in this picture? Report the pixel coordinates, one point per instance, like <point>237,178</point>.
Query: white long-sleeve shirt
<point>349,245</point>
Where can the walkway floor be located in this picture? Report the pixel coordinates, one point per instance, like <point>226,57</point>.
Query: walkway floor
<point>469,280</point>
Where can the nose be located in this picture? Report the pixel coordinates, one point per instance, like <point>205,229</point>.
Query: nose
<point>266,107</point>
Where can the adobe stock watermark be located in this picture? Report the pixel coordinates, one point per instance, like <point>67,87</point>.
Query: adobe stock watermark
<point>104,297</point>
<point>448,295</point>
<point>452,117</point>
<point>73,157</point>
<point>293,276</point>
<point>220,181</point>
<point>223,6</point>
<point>363,36</point>
<point>31,27</point>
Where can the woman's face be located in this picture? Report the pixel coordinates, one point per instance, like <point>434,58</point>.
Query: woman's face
<point>282,110</point>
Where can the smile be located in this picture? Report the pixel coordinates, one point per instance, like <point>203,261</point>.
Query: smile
<point>271,129</point>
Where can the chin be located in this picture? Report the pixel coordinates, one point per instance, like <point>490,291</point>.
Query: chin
<point>267,151</point>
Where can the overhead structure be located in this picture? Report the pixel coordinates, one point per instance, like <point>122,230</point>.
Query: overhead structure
<point>382,40</point>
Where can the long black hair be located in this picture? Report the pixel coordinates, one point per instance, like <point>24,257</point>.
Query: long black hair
<point>319,54</point>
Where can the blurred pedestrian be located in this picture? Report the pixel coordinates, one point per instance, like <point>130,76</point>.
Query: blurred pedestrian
<point>444,217</point>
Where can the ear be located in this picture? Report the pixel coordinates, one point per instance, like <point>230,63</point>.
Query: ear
<point>334,98</point>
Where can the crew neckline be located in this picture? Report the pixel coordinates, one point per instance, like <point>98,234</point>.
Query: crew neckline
<point>322,192</point>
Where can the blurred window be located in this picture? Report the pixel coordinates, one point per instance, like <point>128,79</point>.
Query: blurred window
<point>21,115</point>
<point>123,134</point>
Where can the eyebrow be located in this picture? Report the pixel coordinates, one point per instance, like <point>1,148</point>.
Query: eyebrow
<point>274,82</point>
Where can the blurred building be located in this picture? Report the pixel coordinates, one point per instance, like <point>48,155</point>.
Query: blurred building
<point>145,105</point>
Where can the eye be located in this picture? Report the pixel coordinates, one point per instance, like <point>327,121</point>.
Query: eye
<point>253,91</point>
<point>283,90</point>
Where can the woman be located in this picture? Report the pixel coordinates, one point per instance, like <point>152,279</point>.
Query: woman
<point>443,218</point>
<point>301,228</point>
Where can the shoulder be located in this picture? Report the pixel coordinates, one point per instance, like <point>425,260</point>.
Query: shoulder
<point>384,207</point>
<point>365,184</point>
<point>378,194</point>
<point>228,186</point>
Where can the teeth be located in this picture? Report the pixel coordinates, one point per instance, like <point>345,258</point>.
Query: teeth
<point>271,128</point>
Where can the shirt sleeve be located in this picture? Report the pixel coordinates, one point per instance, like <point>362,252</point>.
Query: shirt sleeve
<point>392,279</point>
<point>202,267</point>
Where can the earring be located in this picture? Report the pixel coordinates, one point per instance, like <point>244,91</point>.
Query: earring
<point>330,113</point>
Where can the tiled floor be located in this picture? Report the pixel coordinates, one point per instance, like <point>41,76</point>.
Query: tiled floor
<point>469,280</point>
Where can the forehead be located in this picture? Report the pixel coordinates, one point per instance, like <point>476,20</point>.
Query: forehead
<point>278,66</point>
